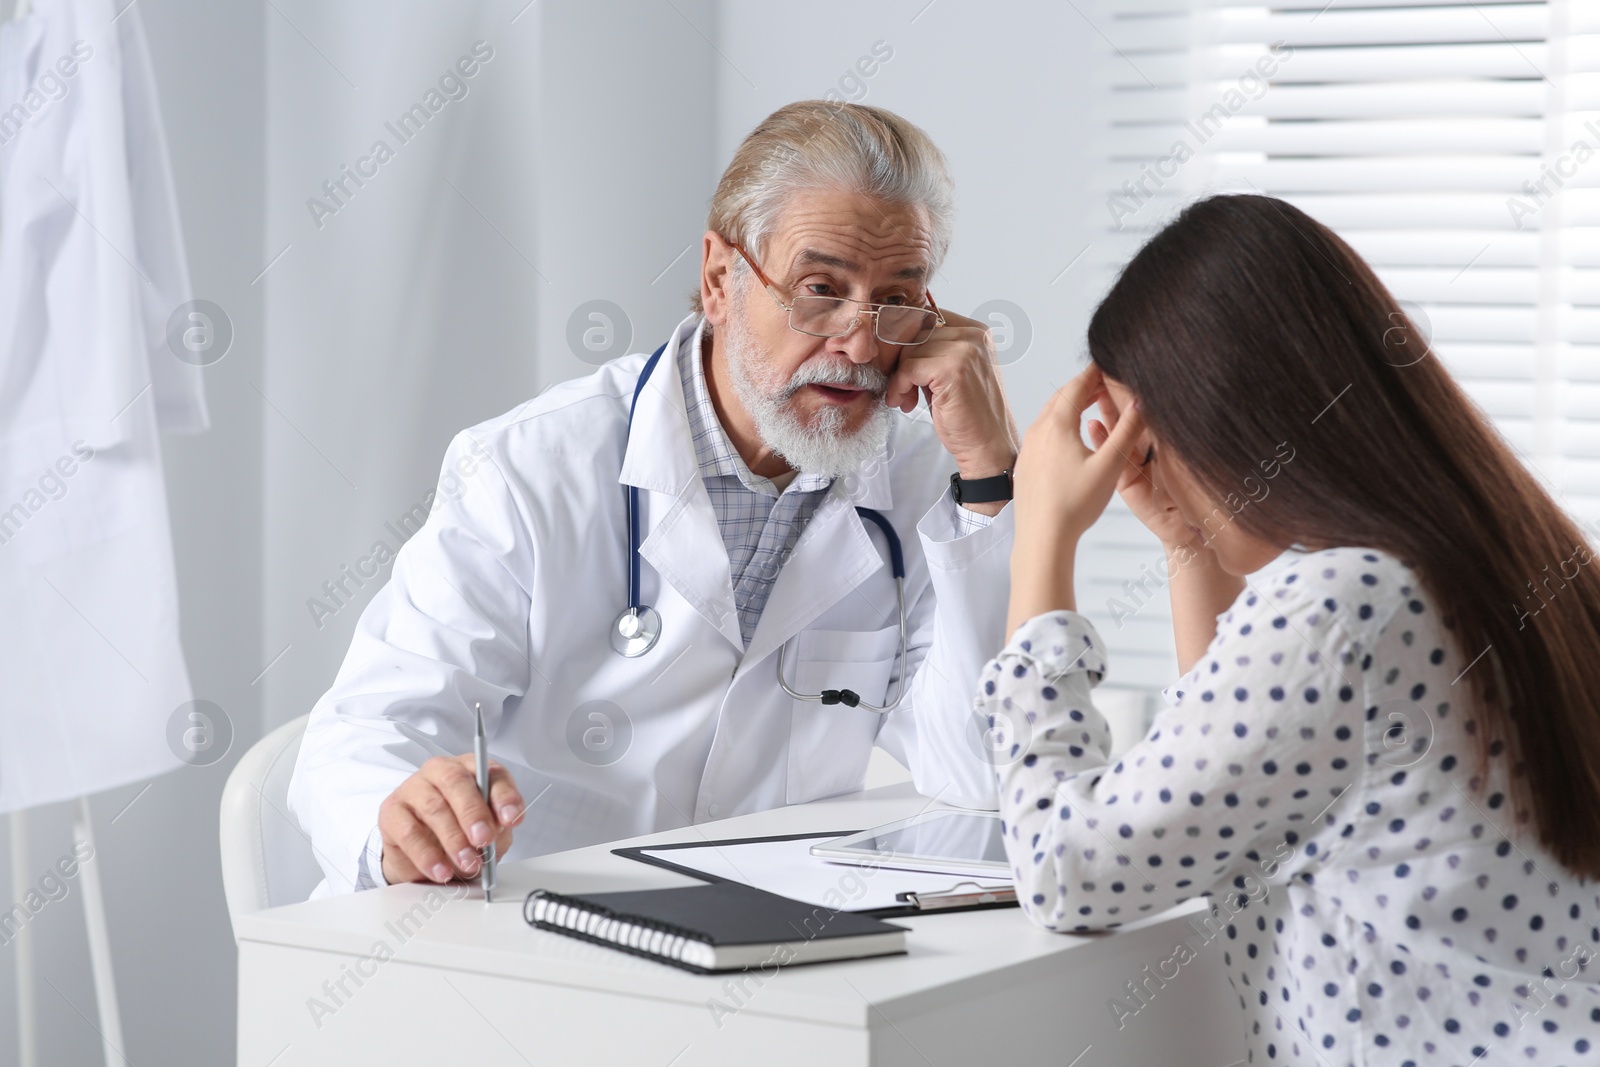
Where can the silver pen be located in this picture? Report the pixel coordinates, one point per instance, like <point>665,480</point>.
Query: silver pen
<point>480,752</point>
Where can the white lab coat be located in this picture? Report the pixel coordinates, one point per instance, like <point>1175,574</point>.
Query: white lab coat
<point>508,594</point>
<point>91,266</point>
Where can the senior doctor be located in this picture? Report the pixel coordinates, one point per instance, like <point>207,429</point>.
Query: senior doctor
<point>757,447</point>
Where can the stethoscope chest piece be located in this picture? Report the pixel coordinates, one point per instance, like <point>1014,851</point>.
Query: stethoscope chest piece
<point>636,631</point>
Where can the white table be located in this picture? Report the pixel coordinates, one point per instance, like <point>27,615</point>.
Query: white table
<point>465,983</point>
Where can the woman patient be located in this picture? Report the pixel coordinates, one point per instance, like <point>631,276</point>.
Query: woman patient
<point>1382,760</point>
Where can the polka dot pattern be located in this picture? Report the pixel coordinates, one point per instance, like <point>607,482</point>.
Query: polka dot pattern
<point>1375,896</point>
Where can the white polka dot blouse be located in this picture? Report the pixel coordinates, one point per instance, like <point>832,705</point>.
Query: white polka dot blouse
<point>1374,896</point>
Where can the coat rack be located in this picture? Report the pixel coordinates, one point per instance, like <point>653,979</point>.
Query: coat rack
<point>94,917</point>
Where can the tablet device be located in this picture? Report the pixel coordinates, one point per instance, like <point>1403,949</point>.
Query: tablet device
<point>955,842</point>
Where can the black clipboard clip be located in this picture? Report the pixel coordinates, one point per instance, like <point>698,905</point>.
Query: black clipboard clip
<point>955,897</point>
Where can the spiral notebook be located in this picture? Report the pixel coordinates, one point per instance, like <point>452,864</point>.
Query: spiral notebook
<point>722,926</point>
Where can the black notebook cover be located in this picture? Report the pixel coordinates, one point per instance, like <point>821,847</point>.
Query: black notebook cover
<point>720,914</point>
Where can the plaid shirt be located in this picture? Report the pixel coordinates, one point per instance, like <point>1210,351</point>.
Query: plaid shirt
<point>759,523</point>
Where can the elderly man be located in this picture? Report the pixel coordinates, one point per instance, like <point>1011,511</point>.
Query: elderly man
<point>709,581</point>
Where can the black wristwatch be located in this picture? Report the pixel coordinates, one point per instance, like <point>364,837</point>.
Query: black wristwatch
<point>980,490</point>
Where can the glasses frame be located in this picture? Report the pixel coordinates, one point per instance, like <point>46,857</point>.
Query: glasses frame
<point>863,307</point>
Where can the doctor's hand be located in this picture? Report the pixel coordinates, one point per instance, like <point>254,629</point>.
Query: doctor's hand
<point>1062,487</point>
<point>434,824</point>
<point>956,370</point>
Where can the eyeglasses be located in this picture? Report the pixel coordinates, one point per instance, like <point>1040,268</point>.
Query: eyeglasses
<point>835,316</point>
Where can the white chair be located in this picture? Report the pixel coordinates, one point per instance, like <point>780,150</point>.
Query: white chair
<point>266,858</point>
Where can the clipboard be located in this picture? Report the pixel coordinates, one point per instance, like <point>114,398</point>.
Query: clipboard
<point>933,894</point>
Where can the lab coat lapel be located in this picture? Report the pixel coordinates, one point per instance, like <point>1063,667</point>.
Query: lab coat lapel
<point>682,543</point>
<point>833,556</point>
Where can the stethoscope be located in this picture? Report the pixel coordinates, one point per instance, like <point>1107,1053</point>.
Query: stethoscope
<point>638,628</point>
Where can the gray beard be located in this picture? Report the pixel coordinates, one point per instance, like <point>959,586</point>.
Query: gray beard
<point>824,447</point>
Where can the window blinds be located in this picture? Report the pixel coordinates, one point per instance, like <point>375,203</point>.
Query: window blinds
<point>1455,146</point>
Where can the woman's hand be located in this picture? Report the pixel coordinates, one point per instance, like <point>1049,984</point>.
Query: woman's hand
<point>1137,488</point>
<point>1062,487</point>
<point>1200,589</point>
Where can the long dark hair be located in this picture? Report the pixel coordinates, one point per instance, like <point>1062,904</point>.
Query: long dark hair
<point>1245,323</point>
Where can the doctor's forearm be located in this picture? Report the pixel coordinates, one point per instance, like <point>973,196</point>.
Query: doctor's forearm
<point>959,619</point>
<point>948,762</point>
<point>955,768</point>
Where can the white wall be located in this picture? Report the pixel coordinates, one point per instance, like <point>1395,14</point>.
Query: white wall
<point>626,170</point>
<point>575,169</point>
<point>399,320</point>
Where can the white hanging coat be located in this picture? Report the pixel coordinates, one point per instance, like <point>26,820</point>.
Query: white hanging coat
<point>508,595</point>
<point>91,267</point>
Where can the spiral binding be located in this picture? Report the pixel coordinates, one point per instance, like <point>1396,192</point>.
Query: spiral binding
<point>629,933</point>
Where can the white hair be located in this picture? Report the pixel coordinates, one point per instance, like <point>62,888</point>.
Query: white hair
<point>817,144</point>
